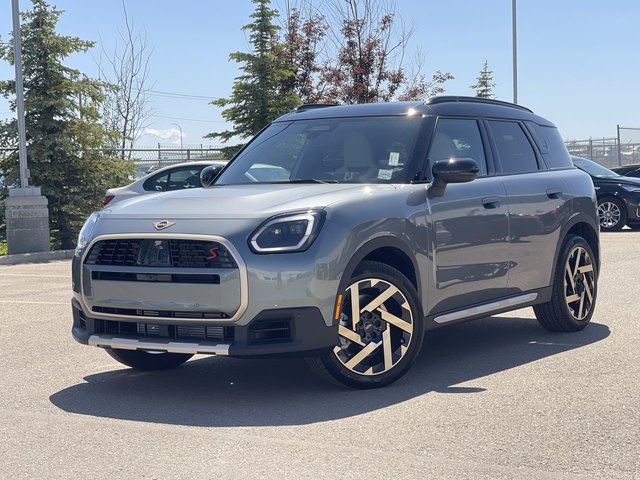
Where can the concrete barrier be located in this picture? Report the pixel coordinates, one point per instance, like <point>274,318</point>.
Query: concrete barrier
<point>38,257</point>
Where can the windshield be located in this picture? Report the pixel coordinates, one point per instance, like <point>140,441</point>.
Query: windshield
<point>593,169</point>
<point>336,150</point>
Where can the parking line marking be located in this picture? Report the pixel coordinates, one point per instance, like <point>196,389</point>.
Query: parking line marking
<point>26,302</point>
<point>31,275</point>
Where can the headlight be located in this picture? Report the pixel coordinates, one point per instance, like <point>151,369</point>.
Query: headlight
<point>293,232</point>
<point>85,232</point>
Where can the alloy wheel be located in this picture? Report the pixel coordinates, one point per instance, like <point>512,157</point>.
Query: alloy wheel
<point>579,283</point>
<point>376,327</point>
<point>609,214</point>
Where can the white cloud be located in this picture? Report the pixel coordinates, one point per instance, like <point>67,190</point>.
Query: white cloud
<point>172,135</point>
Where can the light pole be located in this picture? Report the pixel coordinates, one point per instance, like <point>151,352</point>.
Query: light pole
<point>515,51</point>
<point>26,210</point>
<point>179,127</point>
<point>17,61</point>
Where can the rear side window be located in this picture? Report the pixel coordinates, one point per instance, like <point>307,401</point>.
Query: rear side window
<point>514,150</point>
<point>551,145</point>
<point>174,180</point>
<point>457,138</point>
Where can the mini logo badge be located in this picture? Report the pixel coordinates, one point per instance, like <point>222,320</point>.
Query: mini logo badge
<point>163,224</point>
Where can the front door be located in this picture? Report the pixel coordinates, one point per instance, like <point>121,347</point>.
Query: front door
<point>469,223</point>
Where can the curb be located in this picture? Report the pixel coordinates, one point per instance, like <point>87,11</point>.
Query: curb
<point>38,257</point>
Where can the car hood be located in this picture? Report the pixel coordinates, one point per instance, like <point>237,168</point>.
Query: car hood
<point>240,201</point>
<point>631,181</point>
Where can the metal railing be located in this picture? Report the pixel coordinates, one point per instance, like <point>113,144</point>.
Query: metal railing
<point>148,159</point>
<point>151,158</point>
<point>605,151</point>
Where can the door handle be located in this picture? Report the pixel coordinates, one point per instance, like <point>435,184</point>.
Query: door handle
<point>554,192</point>
<point>491,202</point>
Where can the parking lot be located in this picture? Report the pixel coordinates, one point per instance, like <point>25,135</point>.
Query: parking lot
<point>494,398</point>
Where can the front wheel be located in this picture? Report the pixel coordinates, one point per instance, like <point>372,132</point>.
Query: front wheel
<point>143,360</point>
<point>380,329</point>
<point>574,289</point>
<point>612,215</point>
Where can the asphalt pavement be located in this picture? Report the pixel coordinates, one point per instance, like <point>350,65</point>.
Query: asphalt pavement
<point>495,398</point>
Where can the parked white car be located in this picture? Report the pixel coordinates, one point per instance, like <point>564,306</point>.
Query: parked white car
<point>174,177</point>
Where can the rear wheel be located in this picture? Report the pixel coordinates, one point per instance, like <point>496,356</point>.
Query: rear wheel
<point>612,214</point>
<point>144,360</point>
<point>380,329</point>
<point>574,289</point>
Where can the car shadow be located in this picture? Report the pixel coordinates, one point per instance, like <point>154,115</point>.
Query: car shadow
<point>218,391</point>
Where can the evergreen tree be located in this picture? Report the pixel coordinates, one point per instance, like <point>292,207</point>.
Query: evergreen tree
<point>484,86</point>
<point>63,129</point>
<point>256,98</point>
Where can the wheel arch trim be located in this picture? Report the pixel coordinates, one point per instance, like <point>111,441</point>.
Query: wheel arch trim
<point>579,218</point>
<point>379,243</point>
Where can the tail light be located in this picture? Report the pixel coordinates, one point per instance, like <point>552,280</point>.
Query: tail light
<point>107,199</point>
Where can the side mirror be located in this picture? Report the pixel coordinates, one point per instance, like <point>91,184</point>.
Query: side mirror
<point>208,175</point>
<point>455,170</point>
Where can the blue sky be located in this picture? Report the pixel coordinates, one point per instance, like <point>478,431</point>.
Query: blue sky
<point>579,60</point>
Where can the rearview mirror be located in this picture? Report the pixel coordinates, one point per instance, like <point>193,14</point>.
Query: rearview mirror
<point>209,174</point>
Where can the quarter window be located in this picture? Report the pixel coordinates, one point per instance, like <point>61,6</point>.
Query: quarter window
<point>551,146</point>
<point>457,138</point>
<point>514,150</point>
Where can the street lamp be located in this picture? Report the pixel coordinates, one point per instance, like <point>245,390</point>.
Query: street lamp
<point>179,127</point>
<point>515,51</point>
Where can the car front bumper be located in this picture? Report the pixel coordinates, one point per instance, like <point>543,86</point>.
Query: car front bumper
<point>275,332</point>
<point>632,202</point>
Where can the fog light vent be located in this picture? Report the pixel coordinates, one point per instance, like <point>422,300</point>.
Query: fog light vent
<point>265,331</point>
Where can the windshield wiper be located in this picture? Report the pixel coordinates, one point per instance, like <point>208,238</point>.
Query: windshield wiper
<point>311,180</point>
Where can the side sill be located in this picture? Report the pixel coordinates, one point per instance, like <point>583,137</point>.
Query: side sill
<point>478,310</point>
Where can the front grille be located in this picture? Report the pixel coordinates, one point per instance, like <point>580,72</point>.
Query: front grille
<point>133,312</point>
<point>201,333</point>
<point>178,253</point>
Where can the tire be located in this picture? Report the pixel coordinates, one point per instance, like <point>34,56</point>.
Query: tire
<point>384,342</point>
<point>142,360</point>
<point>574,289</point>
<point>612,214</point>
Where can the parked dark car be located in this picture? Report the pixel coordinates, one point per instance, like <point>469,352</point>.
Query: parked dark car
<point>618,196</point>
<point>632,170</point>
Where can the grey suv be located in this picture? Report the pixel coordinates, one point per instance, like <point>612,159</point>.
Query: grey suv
<point>387,220</point>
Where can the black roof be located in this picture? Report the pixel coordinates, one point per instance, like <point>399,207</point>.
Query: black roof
<point>443,105</point>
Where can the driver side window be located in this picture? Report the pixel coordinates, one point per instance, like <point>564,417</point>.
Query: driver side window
<point>457,138</point>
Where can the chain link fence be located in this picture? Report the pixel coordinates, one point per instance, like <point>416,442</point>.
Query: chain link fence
<point>150,158</point>
<point>605,151</point>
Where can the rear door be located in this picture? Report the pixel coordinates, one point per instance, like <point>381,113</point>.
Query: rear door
<point>469,222</point>
<point>536,202</point>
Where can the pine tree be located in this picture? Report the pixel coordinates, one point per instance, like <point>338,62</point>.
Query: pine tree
<point>63,129</point>
<point>256,98</point>
<point>484,86</point>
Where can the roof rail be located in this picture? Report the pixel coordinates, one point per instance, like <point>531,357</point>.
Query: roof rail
<point>490,101</point>
<point>310,106</point>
